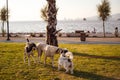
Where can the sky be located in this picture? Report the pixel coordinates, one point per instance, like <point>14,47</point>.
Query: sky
<point>29,10</point>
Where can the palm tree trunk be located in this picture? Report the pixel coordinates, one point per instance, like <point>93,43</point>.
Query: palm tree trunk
<point>52,22</point>
<point>3,31</point>
<point>104,28</point>
<point>8,35</point>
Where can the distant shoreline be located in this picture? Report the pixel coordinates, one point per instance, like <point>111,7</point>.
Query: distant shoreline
<point>72,34</point>
<point>66,26</point>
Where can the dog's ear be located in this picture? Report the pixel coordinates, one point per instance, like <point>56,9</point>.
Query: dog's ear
<point>59,50</point>
<point>65,51</point>
<point>32,45</point>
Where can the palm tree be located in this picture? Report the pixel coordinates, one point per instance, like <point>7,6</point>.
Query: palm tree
<point>49,13</point>
<point>3,18</point>
<point>104,12</point>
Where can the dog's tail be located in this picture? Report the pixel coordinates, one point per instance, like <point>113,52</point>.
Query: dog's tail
<point>27,40</point>
<point>70,55</point>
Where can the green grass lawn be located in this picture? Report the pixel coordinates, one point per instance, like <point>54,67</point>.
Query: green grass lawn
<point>91,62</point>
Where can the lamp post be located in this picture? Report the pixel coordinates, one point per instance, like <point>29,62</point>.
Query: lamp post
<point>7,22</point>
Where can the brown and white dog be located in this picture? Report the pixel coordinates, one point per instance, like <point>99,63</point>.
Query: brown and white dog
<point>29,48</point>
<point>49,51</point>
<point>65,60</point>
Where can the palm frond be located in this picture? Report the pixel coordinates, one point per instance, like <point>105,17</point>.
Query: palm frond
<point>3,14</point>
<point>44,15</point>
<point>104,10</point>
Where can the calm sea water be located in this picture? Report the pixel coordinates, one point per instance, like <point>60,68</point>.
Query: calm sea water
<point>67,26</point>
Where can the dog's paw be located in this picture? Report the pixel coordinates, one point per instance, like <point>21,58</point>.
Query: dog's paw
<point>29,65</point>
<point>38,62</point>
<point>44,65</point>
<point>71,73</point>
<point>59,68</point>
<point>53,66</point>
<point>35,62</point>
<point>66,72</point>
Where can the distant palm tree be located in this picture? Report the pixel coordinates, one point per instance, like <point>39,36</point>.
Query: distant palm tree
<point>3,18</point>
<point>49,13</point>
<point>104,12</point>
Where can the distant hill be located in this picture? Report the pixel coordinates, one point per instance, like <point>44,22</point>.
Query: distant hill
<point>115,17</point>
<point>112,17</point>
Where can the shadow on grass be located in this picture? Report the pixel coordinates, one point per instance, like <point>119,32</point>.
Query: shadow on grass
<point>95,56</point>
<point>82,74</point>
<point>91,76</point>
<point>77,73</point>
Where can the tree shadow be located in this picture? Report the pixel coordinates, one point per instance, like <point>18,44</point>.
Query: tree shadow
<point>96,56</point>
<point>48,66</point>
<point>91,76</point>
<point>80,74</point>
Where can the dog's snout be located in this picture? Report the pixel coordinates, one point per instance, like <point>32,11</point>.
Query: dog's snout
<point>34,48</point>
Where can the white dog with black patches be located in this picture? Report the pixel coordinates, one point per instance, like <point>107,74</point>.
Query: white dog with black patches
<point>49,51</point>
<point>65,60</point>
<point>29,48</point>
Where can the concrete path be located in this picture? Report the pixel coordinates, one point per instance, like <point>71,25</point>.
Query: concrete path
<point>67,40</point>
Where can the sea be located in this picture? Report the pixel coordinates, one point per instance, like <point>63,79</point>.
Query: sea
<point>66,26</point>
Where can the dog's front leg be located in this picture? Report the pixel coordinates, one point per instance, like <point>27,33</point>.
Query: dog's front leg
<point>24,58</point>
<point>59,66</point>
<point>45,60</point>
<point>39,55</point>
<point>33,58</point>
<point>52,58</point>
<point>38,58</point>
<point>67,70</point>
<point>28,60</point>
<point>71,70</point>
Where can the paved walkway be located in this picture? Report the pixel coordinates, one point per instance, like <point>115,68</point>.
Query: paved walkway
<point>69,40</point>
<point>92,41</point>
